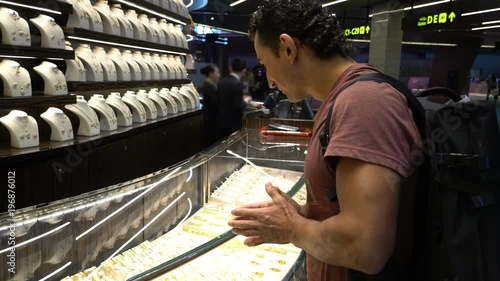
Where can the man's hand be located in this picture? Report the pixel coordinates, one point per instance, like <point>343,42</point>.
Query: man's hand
<point>267,222</point>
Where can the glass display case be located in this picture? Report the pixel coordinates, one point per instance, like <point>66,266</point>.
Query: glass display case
<point>134,230</point>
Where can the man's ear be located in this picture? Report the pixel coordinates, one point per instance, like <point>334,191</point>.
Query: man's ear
<point>289,47</point>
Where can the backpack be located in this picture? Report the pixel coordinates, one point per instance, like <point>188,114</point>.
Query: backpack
<point>455,211</point>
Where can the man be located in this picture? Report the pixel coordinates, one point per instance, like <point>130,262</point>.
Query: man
<point>231,103</point>
<point>491,83</point>
<point>367,159</point>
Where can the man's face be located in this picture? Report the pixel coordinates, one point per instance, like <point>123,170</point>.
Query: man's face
<point>281,72</point>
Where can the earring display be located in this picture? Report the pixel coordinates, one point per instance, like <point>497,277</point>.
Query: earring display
<point>95,73</point>
<point>15,30</point>
<point>60,125</point>
<point>161,106</point>
<point>108,120</point>
<point>109,68</point>
<point>126,27</point>
<point>145,70</point>
<point>149,105</point>
<point>111,24</point>
<point>138,110</point>
<point>89,121</point>
<point>121,66</point>
<point>135,69</point>
<point>123,112</point>
<point>52,33</point>
<point>23,129</point>
<point>54,79</point>
<point>139,29</point>
<point>169,100</point>
<point>16,79</point>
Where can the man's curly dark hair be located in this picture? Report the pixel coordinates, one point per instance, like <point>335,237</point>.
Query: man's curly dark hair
<point>305,20</point>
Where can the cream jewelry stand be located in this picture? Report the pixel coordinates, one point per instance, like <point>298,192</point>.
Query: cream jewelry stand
<point>188,97</point>
<point>53,78</point>
<point>151,35</point>
<point>108,120</point>
<point>161,67</point>
<point>194,93</point>
<point>95,18</point>
<point>135,69</point>
<point>165,4</point>
<point>52,33</point>
<point>181,66</point>
<point>173,64</point>
<point>16,79</point>
<point>145,70</point>
<point>139,29</point>
<point>75,70</point>
<point>181,102</point>
<point>111,24</point>
<point>89,122</point>
<point>94,69</point>
<point>60,125</point>
<point>171,102</point>
<point>108,66</point>
<point>169,37</point>
<point>173,33</point>
<point>122,68</point>
<point>153,23</point>
<point>23,129</point>
<point>138,110</point>
<point>149,105</point>
<point>122,111</point>
<point>155,70</point>
<point>15,30</point>
<point>126,28</point>
<point>168,64</point>
<point>161,106</point>
<point>182,37</point>
<point>189,62</point>
<point>80,17</point>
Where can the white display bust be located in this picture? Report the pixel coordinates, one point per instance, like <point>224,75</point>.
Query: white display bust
<point>169,100</point>
<point>109,68</point>
<point>15,30</point>
<point>75,70</point>
<point>111,24</point>
<point>173,64</point>
<point>123,113</point>
<point>108,120</point>
<point>189,62</point>
<point>80,17</point>
<point>139,29</point>
<point>161,67</point>
<point>155,70</point>
<point>89,122</point>
<point>16,79</point>
<point>94,69</point>
<point>194,92</point>
<point>162,39</point>
<point>166,4</point>
<point>181,103</point>
<point>23,129</point>
<point>60,125</point>
<point>186,98</point>
<point>145,70</point>
<point>122,68</point>
<point>161,106</point>
<point>169,37</point>
<point>135,69</point>
<point>126,28</point>
<point>52,33</point>
<point>173,33</point>
<point>138,110</point>
<point>151,35</point>
<point>149,105</point>
<point>95,18</point>
<point>182,37</point>
<point>53,78</point>
<point>171,70</point>
<point>182,68</point>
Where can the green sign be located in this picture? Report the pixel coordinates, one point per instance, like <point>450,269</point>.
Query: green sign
<point>360,30</point>
<point>437,19</point>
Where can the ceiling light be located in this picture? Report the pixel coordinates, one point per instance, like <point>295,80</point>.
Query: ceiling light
<point>491,22</point>
<point>237,3</point>
<point>189,37</point>
<point>409,43</point>
<point>486,27</point>
<point>481,12</point>
<point>190,4</point>
<point>413,8</point>
<point>129,3</point>
<point>334,3</point>
<point>488,46</point>
<point>31,7</point>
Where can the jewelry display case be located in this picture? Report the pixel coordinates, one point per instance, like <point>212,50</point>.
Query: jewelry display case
<point>143,228</point>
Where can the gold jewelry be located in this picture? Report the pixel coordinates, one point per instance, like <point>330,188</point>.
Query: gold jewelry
<point>93,124</point>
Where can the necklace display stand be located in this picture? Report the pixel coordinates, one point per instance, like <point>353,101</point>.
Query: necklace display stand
<point>138,110</point>
<point>153,23</point>
<point>194,93</point>
<point>53,78</point>
<point>166,4</point>
<point>23,129</point>
<point>16,79</point>
<point>182,68</point>
<point>122,111</point>
<point>111,24</point>
<point>89,122</point>
<point>95,73</point>
<point>52,33</point>
<point>108,120</point>
<point>169,37</point>
<point>161,106</point>
<point>80,17</point>
<point>188,98</point>
<point>15,30</point>
<point>173,33</point>
<point>135,69</point>
<point>156,59</point>
<point>171,102</point>
<point>181,36</point>
<point>95,18</point>
<point>109,68</point>
<point>151,35</point>
<point>155,71</point>
<point>60,125</point>
<point>126,28</point>
<point>75,70</point>
<point>149,105</point>
<point>145,70</point>
<point>121,66</point>
<point>173,64</point>
<point>188,101</point>
<point>170,71</point>
<point>189,62</point>
<point>139,29</point>
<point>181,103</point>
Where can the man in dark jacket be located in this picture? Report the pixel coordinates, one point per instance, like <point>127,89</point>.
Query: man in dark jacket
<point>231,103</point>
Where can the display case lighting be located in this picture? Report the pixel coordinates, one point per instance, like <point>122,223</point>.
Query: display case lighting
<point>30,7</point>
<point>132,4</point>
<point>480,12</point>
<point>236,3</point>
<point>485,27</point>
<point>410,43</point>
<point>55,272</point>
<point>16,57</point>
<point>491,22</point>
<point>190,174</point>
<point>334,3</point>
<point>190,4</point>
<point>189,38</point>
<point>414,7</point>
<point>124,45</point>
<point>251,164</point>
<point>188,213</point>
<point>36,238</point>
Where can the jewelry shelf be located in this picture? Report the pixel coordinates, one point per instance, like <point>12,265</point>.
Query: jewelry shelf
<point>37,52</point>
<point>153,7</point>
<point>121,85</point>
<point>55,5</point>
<point>35,101</point>
<point>89,36</point>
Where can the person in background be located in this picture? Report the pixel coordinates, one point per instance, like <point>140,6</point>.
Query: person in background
<point>231,102</point>
<point>491,83</point>
<point>248,83</point>
<point>210,104</point>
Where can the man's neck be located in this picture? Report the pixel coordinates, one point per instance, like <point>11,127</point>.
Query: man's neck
<point>323,74</point>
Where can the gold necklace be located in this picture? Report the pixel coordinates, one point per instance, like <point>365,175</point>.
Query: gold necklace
<point>133,103</point>
<point>120,107</point>
<point>93,124</point>
<point>63,118</point>
<point>24,128</point>
<point>112,118</point>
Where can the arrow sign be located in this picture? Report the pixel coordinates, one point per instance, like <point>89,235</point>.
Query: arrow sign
<point>367,29</point>
<point>452,16</point>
